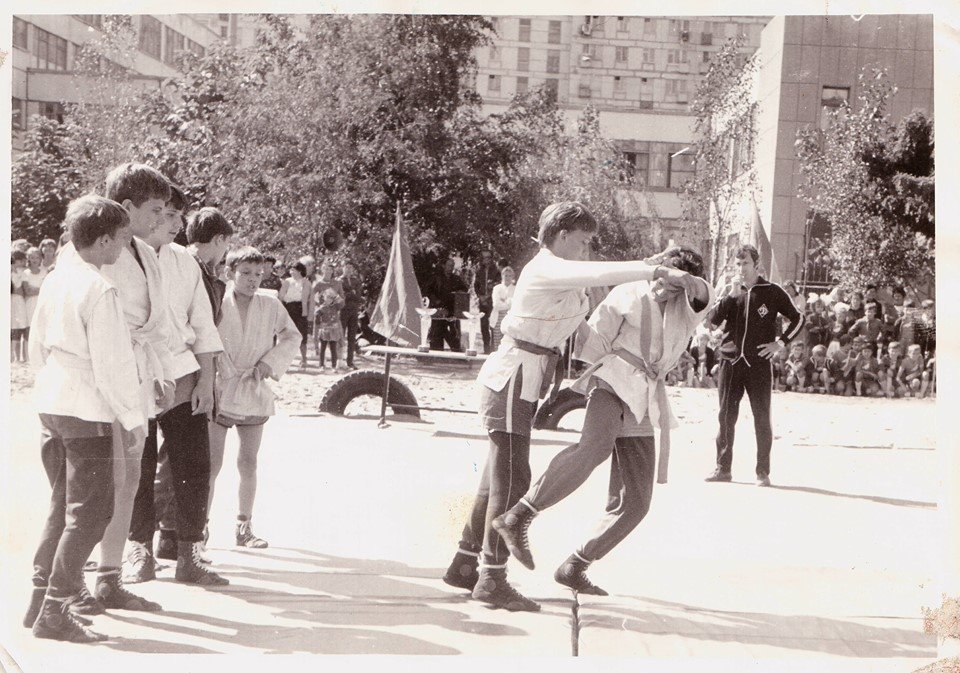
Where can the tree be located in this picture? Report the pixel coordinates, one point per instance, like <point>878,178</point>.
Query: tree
<point>873,182</point>
<point>725,117</point>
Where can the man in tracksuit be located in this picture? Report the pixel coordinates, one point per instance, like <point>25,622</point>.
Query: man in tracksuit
<point>750,306</point>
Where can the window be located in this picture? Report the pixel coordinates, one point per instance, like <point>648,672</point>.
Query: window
<point>52,111</point>
<point>622,24</point>
<point>173,44</point>
<point>495,23</point>
<point>649,57</point>
<point>680,169</point>
<point>150,30</point>
<point>524,30</point>
<point>584,90</point>
<point>649,28</point>
<point>49,51</point>
<point>619,85</point>
<point>706,37</point>
<point>195,47</point>
<point>493,84</point>
<point>552,87</point>
<point>95,20</point>
<point>523,85</point>
<point>676,56</point>
<point>553,61</point>
<point>223,31</point>
<point>223,17</point>
<point>636,166</point>
<point>676,88</point>
<point>16,114</point>
<point>494,54</point>
<point>20,33</point>
<point>622,53</point>
<point>591,52</point>
<point>523,59</point>
<point>553,34</point>
<point>706,57</point>
<point>832,98</point>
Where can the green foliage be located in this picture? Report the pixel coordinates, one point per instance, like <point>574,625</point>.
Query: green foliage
<point>874,183</point>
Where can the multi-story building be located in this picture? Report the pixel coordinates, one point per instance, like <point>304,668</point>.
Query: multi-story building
<point>808,65</point>
<point>45,50</point>
<point>640,72</point>
<point>240,30</point>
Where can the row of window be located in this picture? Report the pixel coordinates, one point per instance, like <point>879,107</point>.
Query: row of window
<point>49,109</point>
<point>50,52</point>
<point>593,53</point>
<point>679,169</point>
<point>594,25</point>
<point>672,87</point>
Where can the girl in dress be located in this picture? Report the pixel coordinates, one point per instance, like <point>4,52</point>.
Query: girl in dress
<point>329,330</point>
<point>19,324</point>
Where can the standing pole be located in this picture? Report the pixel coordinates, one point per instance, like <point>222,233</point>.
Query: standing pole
<point>386,392</point>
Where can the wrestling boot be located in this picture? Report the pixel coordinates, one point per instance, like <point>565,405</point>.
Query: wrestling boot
<point>111,593</point>
<point>462,572</point>
<point>245,536</point>
<point>192,570</point>
<point>512,526</point>
<point>719,475</point>
<point>36,601</point>
<point>84,603</point>
<point>167,545</point>
<point>494,589</point>
<point>56,622</point>
<point>572,574</point>
<point>140,566</point>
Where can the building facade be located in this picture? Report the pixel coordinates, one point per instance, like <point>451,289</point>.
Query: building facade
<point>640,72</point>
<point>46,48</point>
<point>808,65</point>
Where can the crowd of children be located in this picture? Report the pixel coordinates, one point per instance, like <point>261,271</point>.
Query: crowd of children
<point>854,344</point>
<point>132,334</point>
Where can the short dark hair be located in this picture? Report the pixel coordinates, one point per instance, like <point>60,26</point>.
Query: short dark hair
<point>17,255</point>
<point>270,258</point>
<point>871,286</point>
<point>747,249</point>
<point>137,183</point>
<point>899,290</point>
<point>48,241</point>
<point>300,268</point>
<point>867,344</point>
<point>875,305</point>
<point>243,255</point>
<point>177,200</point>
<point>564,216</point>
<point>91,216</point>
<point>845,339</point>
<point>685,258</point>
<point>204,224</point>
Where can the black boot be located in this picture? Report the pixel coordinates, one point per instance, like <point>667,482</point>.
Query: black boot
<point>58,623</point>
<point>462,572</point>
<point>84,603</point>
<point>512,526</point>
<point>493,588</point>
<point>167,545</point>
<point>112,594</point>
<point>245,536</point>
<point>36,601</point>
<point>192,570</point>
<point>572,573</point>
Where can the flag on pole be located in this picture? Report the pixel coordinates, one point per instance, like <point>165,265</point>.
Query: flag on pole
<point>395,316</point>
<point>761,242</point>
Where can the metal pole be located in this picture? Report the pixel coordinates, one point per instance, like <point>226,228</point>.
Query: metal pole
<point>386,392</point>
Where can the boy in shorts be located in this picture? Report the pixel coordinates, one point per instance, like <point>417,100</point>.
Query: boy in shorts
<point>818,373</point>
<point>796,369</point>
<point>549,304</point>
<point>910,374</point>
<point>259,342</point>
<point>889,365</point>
<point>838,367</point>
<point>867,372</point>
<point>86,384</point>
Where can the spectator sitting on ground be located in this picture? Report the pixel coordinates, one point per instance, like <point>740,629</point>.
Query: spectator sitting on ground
<point>779,366</point>
<point>910,375</point>
<point>889,366</point>
<point>869,326</point>
<point>866,373</point>
<point>857,310</point>
<point>796,369</point>
<point>706,361</point>
<point>819,323</point>
<point>818,374</point>
<point>840,366</point>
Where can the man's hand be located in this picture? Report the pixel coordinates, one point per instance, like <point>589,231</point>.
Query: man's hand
<point>679,280</point>
<point>768,350</point>
<point>132,438</point>
<point>201,400</point>
<point>261,371</point>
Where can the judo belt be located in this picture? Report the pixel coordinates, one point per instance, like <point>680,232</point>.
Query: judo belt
<point>553,364</point>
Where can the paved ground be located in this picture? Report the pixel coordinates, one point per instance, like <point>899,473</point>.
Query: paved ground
<point>827,571</point>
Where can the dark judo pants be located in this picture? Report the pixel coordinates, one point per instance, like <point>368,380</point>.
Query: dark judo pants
<point>756,380</point>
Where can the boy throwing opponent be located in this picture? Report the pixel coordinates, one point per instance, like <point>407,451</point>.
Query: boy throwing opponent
<point>636,335</point>
<point>548,306</point>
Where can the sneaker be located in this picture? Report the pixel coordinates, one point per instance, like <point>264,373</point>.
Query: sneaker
<point>111,593</point>
<point>167,545</point>
<point>56,622</point>
<point>494,589</point>
<point>84,603</point>
<point>462,572</point>
<point>512,526</point>
<point>572,574</point>
<point>763,480</point>
<point>141,566</point>
<point>192,570</point>
<point>246,538</point>
<point>719,475</point>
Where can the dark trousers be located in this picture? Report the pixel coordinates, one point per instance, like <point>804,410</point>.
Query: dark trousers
<point>348,320</point>
<point>444,331</point>
<point>333,352</point>
<point>485,331</point>
<point>78,458</point>
<point>187,445</point>
<point>756,380</point>
<point>505,478</point>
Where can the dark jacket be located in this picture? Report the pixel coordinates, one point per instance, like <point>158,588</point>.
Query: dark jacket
<point>752,319</point>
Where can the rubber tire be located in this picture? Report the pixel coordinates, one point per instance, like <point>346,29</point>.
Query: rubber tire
<point>356,384</point>
<point>551,412</point>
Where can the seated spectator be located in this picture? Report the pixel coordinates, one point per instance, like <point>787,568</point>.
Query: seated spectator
<point>818,374</point>
<point>857,310</point>
<point>840,367</point>
<point>819,324</point>
<point>926,328</point>
<point>870,295</point>
<point>889,366</point>
<point>706,362</point>
<point>778,364</point>
<point>795,367</point>
<point>905,329</point>
<point>869,326</point>
<point>842,321</point>
<point>866,379</point>
<point>682,373</point>
<point>910,376</point>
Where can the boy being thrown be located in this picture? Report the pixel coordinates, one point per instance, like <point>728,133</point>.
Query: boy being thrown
<point>635,337</point>
<point>548,306</point>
